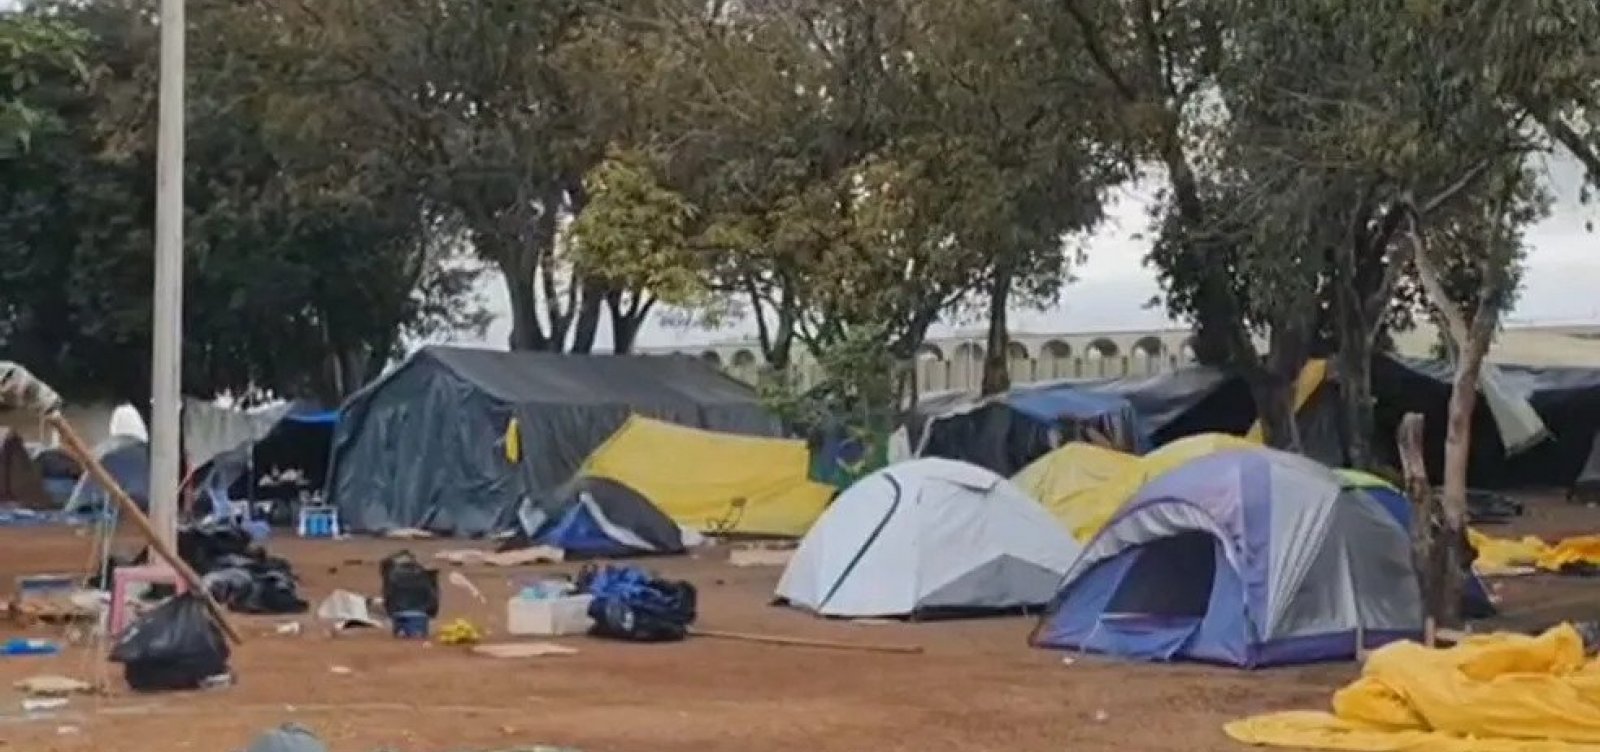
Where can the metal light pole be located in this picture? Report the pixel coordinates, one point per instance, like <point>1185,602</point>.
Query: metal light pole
<point>166,352</point>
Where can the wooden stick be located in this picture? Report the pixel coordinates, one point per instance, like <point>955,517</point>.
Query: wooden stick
<point>803,642</point>
<point>91,464</point>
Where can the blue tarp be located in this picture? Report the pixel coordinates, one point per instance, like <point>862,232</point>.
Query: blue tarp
<point>323,418</point>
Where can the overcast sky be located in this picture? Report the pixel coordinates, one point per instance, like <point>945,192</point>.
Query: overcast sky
<point>1562,283</point>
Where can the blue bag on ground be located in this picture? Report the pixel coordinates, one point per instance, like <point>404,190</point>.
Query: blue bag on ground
<point>176,646</point>
<point>633,604</point>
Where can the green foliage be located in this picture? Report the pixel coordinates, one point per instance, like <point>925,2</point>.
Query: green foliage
<point>635,232</point>
<point>300,278</point>
<point>33,48</point>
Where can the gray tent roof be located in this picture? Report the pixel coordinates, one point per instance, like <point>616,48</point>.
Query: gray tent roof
<point>531,378</point>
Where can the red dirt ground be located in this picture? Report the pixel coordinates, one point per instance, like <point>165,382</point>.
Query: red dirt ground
<point>978,686</point>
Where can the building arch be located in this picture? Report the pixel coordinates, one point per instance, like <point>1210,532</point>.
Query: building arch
<point>713,357</point>
<point>1055,349</point>
<point>744,359</point>
<point>930,351</point>
<point>1103,347</point>
<point>1186,350</point>
<point>970,351</point>
<point>1149,347</point>
<point>1016,351</point>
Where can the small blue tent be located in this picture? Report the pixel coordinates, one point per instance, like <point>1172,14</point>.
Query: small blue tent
<point>1248,557</point>
<point>127,458</point>
<point>590,518</point>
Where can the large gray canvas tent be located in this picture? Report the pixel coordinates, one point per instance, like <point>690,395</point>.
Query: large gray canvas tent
<point>426,445</point>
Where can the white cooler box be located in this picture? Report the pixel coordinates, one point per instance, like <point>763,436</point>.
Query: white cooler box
<point>551,617</point>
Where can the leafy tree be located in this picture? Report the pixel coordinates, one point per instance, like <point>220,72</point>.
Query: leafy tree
<point>300,279</point>
<point>32,48</point>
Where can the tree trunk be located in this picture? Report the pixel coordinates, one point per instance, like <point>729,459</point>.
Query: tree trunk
<point>1354,365</point>
<point>527,333</point>
<point>1434,551</point>
<point>996,370</point>
<point>626,320</point>
<point>1274,399</point>
<point>586,324</point>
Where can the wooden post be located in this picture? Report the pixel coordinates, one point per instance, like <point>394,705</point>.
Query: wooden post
<point>91,465</point>
<point>1426,520</point>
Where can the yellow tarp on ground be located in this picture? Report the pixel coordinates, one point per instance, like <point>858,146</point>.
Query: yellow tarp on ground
<point>1087,509</point>
<point>1503,556</point>
<point>714,482</point>
<point>1065,482</point>
<point>1498,693</point>
<point>1311,377</point>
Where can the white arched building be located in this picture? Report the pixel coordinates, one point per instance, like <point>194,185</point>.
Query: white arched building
<point>956,361</point>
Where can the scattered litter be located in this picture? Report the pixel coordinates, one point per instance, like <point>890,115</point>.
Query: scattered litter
<point>460,580</point>
<point>217,681</point>
<point>408,533</point>
<point>287,628</point>
<point>290,737</point>
<point>1068,661</point>
<point>1101,716</point>
<point>517,558</point>
<point>341,670</point>
<point>67,730</point>
<point>872,621</point>
<point>460,632</point>
<point>346,610</point>
<point>43,704</point>
<point>753,556</point>
<point>25,646</point>
<point>50,685</point>
<point>523,650</point>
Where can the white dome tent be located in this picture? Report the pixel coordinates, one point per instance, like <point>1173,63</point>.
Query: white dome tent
<point>928,535</point>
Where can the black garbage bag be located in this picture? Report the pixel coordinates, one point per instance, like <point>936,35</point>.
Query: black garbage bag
<point>174,647</point>
<point>632,604</point>
<point>409,586</point>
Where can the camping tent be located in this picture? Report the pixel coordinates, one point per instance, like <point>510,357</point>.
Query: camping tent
<point>127,458</point>
<point>1005,433</point>
<point>1475,600</point>
<point>1066,482</point>
<point>286,458</point>
<point>60,472</point>
<point>1248,557</point>
<point>20,480</point>
<point>711,481</point>
<point>1091,507</point>
<point>928,535</point>
<point>598,517</point>
<point>450,440</point>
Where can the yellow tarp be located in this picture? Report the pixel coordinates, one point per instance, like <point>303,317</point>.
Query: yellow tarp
<point>1503,556</point>
<point>1088,509</point>
<point>714,482</point>
<point>1311,377</point>
<point>1498,693</point>
<point>1065,482</point>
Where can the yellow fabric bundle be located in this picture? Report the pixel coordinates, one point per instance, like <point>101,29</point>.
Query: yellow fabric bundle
<point>1502,556</point>
<point>1580,550</point>
<point>1498,693</point>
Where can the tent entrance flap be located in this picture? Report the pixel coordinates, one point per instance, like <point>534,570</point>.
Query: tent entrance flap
<point>1172,577</point>
<point>1157,611</point>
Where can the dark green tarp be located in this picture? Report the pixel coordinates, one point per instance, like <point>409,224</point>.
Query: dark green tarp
<point>424,446</point>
